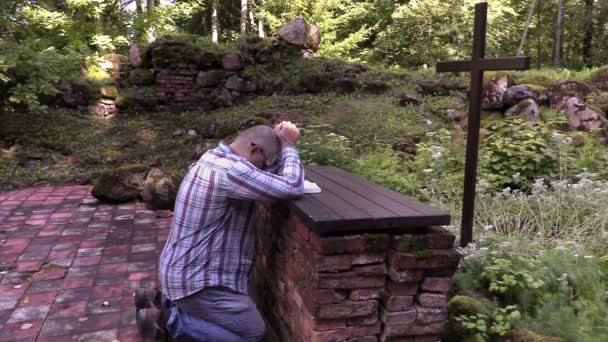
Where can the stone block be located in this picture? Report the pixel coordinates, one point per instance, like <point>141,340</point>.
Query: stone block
<point>432,300</point>
<point>350,244</point>
<point>347,309</point>
<point>436,284</point>
<point>366,294</point>
<point>397,303</point>
<point>398,317</point>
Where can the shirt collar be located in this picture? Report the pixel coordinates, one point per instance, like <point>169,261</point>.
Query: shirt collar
<point>225,148</point>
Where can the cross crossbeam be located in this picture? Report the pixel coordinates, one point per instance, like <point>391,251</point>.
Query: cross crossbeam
<point>477,65</point>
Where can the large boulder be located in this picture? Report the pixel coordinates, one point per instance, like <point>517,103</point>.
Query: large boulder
<point>159,190</point>
<point>209,79</point>
<point>294,32</point>
<point>527,109</point>
<point>601,101</point>
<point>234,82</point>
<point>313,37</point>
<point>314,82</point>
<point>582,116</point>
<point>561,91</point>
<point>112,63</point>
<point>232,62</point>
<point>441,86</point>
<point>221,97</point>
<point>137,54</point>
<point>141,76</point>
<point>540,80</point>
<point>495,87</point>
<point>121,184</point>
<point>136,98</point>
<point>518,93</point>
<point>78,92</point>
<point>599,78</point>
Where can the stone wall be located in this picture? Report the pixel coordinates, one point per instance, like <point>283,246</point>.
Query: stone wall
<point>354,287</point>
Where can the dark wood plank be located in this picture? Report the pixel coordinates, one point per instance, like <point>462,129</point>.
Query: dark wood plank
<point>454,66</point>
<point>393,195</point>
<point>313,212</point>
<point>396,208</point>
<point>489,64</point>
<point>355,199</point>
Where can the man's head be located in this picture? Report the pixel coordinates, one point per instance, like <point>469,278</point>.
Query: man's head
<point>258,144</point>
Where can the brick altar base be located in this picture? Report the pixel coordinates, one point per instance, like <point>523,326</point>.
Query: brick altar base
<point>360,287</point>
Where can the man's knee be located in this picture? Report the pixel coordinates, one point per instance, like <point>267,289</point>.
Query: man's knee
<point>254,328</point>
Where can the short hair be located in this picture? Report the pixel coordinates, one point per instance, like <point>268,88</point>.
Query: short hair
<point>262,135</point>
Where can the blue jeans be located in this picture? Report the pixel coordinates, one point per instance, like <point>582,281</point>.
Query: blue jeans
<point>215,314</point>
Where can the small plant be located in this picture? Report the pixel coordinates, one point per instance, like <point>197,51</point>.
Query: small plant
<point>319,145</point>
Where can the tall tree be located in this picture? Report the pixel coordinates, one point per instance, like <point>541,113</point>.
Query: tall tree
<point>588,37</point>
<point>261,32</point>
<point>215,21</point>
<point>525,34</point>
<point>244,15</point>
<point>557,45</point>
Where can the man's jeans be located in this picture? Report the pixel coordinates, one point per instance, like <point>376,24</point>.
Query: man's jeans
<point>215,314</point>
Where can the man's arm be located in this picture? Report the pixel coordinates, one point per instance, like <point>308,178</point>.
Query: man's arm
<point>245,181</point>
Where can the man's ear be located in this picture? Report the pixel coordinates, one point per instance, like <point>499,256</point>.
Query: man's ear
<point>254,148</point>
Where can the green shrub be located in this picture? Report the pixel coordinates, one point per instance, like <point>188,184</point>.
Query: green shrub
<point>319,145</point>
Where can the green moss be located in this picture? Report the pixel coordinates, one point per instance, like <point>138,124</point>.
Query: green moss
<point>490,75</point>
<point>461,305</point>
<point>111,186</point>
<point>540,80</point>
<point>488,118</point>
<point>141,76</point>
<point>537,88</point>
<point>601,101</point>
<point>109,92</point>
<point>50,266</point>
<point>525,335</point>
<point>600,75</point>
<point>136,98</point>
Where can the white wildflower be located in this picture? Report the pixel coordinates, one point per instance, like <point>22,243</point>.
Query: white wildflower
<point>427,170</point>
<point>588,256</point>
<point>506,191</point>
<point>429,122</point>
<point>488,227</point>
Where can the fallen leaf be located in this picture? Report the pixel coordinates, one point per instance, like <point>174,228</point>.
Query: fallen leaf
<point>82,319</point>
<point>26,300</point>
<point>17,286</point>
<point>106,303</point>
<point>26,326</point>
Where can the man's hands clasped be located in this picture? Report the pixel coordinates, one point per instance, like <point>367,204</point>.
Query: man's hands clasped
<point>287,133</point>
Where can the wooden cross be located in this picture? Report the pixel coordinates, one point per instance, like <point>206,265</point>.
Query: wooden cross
<point>477,65</point>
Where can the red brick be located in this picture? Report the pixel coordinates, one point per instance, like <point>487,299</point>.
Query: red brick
<point>87,261</point>
<point>107,291</point>
<point>370,270</point>
<point>303,231</point>
<point>28,266</point>
<point>333,263</point>
<point>38,298</point>
<point>401,289</point>
<point>310,323</point>
<point>434,284</point>
<point>365,330</point>
<point>414,329</point>
<point>401,261</point>
<point>428,315</point>
<point>351,281</point>
<point>368,258</point>
<point>427,338</point>
<point>72,309</point>
<point>347,309</point>
<point>365,320</point>
<point>74,282</point>
<point>372,338</point>
<point>398,317</point>
<point>432,300</point>
<point>49,274</point>
<point>329,336</point>
<point>13,332</point>
<point>350,244</point>
<point>397,303</point>
<point>442,258</point>
<point>431,238</point>
<point>366,294</point>
<point>405,276</point>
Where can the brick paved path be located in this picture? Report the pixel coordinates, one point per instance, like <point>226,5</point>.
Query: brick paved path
<point>69,265</point>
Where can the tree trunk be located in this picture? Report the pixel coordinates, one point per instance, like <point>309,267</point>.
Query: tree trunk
<point>557,51</point>
<point>538,34</point>
<point>151,29</point>
<point>261,32</point>
<point>244,12</point>
<point>215,21</point>
<point>528,20</point>
<point>588,38</point>
<point>138,6</point>
<point>150,8</point>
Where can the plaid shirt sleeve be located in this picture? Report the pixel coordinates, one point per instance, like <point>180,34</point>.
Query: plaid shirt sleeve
<point>245,181</point>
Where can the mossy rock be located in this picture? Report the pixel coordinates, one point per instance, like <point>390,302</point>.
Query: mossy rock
<point>141,76</point>
<point>121,184</point>
<point>315,82</point>
<point>492,75</point>
<point>461,305</point>
<point>136,98</point>
<point>601,101</point>
<point>599,78</point>
<point>488,118</point>
<point>540,80</point>
<point>525,335</point>
<point>537,88</point>
<point>159,191</point>
<point>79,92</point>
<point>108,92</point>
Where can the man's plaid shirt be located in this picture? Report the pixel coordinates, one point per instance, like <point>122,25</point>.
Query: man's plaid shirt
<point>213,236</point>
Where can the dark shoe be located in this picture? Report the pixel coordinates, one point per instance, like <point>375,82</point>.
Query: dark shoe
<point>148,325</point>
<point>147,298</point>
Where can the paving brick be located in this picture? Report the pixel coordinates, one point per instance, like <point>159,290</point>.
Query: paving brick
<point>73,295</point>
<point>108,291</point>
<point>18,332</point>
<point>68,309</point>
<point>74,282</point>
<point>109,335</point>
<point>30,313</point>
<point>87,261</point>
<point>45,285</point>
<point>38,298</point>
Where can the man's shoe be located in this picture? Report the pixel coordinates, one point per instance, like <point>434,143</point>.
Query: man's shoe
<point>148,325</point>
<point>147,298</point>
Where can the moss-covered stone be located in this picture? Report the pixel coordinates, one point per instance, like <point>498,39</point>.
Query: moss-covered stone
<point>461,305</point>
<point>493,75</point>
<point>141,76</point>
<point>540,80</point>
<point>109,92</point>
<point>599,78</point>
<point>136,98</point>
<point>490,117</point>
<point>121,184</point>
<point>159,191</point>
<point>537,88</point>
<point>601,101</point>
<point>525,335</point>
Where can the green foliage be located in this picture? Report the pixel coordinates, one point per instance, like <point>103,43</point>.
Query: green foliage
<point>384,168</point>
<point>320,146</point>
<point>515,146</point>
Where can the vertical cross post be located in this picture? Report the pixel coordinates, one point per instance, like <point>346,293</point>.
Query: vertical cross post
<point>477,65</point>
